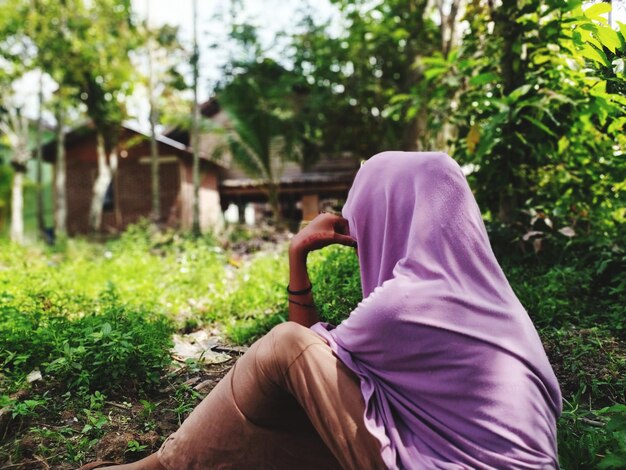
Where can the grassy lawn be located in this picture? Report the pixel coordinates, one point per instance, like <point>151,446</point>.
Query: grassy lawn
<point>96,321</point>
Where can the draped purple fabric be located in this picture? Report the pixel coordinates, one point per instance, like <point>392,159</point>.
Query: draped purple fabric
<point>453,373</point>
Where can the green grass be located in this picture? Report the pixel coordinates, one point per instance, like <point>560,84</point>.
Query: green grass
<point>96,320</point>
<point>84,314</point>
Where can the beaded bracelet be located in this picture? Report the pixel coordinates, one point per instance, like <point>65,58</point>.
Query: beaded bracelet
<point>301,304</point>
<point>300,292</point>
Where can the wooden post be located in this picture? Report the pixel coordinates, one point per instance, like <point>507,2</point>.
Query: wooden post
<point>310,206</point>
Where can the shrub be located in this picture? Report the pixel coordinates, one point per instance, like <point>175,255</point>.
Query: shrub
<point>589,439</point>
<point>111,348</point>
<point>336,279</point>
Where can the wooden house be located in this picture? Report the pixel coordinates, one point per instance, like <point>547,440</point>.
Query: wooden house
<point>129,197</point>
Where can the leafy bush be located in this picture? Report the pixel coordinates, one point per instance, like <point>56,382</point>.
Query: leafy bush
<point>336,279</point>
<point>574,291</point>
<point>552,296</point>
<point>112,348</point>
<point>589,439</point>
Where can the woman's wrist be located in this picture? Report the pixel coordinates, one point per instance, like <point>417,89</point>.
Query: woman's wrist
<point>297,252</point>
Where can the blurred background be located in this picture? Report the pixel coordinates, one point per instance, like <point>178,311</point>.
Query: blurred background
<point>203,113</point>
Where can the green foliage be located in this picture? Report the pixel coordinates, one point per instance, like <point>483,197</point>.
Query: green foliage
<point>110,348</point>
<point>135,446</point>
<point>540,114</point>
<point>248,330</point>
<point>578,285</point>
<point>186,399</point>
<point>22,408</point>
<point>351,78</point>
<point>100,317</point>
<point>334,272</point>
<point>592,439</point>
<point>261,134</point>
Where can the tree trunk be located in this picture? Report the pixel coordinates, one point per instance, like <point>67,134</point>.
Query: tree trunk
<point>241,212</point>
<point>195,226</point>
<point>41,223</point>
<point>154,148</point>
<point>103,180</point>
<point>17,207</point>
<point>60,207</point>
<point>154,159</point>
<point>513,73</point>
<point>273,197</point>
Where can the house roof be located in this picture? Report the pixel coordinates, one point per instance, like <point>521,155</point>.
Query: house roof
<point>160,138</point>
<point>329,176</point>
<point>87,129</point>
<point>208,109</point>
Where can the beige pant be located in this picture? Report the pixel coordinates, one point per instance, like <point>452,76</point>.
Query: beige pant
<point>287,403</point>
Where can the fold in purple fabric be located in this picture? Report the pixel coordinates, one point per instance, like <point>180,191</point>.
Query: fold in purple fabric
<point>453,373</point>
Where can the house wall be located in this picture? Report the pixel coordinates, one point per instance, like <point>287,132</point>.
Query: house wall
<point>210,209</point>
<point>80,175</point>
<point>132,186</point>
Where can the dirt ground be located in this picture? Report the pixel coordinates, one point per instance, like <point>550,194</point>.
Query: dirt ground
<point>132,430</point>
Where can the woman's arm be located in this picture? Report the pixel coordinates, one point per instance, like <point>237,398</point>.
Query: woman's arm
<point>304,311</point>
<point>322,231</point>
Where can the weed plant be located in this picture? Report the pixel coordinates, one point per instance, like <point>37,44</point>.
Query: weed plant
<point>111,346</point>
<point>336,282</point>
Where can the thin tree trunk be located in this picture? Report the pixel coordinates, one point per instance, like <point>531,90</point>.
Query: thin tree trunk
<point>195,127</point>
<point>60,207</point>
<point>273,190</point>
<point>41,224</point>
<point>241,211</point>
<point>154,148</point>
<point>513,75</point>
<point>17,207</point>
<point>154,159</point>
<point>103,180</point>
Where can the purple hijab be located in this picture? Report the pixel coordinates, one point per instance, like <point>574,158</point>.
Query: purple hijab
<point>453,373</point>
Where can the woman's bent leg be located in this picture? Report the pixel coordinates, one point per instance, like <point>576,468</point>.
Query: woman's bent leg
<point>287,403</point>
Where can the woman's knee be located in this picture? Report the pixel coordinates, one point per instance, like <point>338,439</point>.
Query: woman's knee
<point>291,335</point>
<point>287,341</point>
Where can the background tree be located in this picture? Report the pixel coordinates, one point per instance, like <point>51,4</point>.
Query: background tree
<point>164,84</point>
<point>103,36</point>
<point>353,77</point>
<point>50,33</point>
<point>17,55</point>
<point>15,128</point>
<point>262,133</point>
<point>195,126</point>
<point>532,85</point>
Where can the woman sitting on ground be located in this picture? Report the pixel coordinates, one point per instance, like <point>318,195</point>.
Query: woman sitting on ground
<point>439,367</point>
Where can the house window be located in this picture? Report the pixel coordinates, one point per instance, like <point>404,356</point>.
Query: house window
<point>109,199</point>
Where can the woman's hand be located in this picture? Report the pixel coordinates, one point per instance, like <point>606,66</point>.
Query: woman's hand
<point>323,230</point>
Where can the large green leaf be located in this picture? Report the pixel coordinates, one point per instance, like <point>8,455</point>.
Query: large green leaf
<point>594,12</point>
<point>483,78</point>
<point>618,125</point>
<point>540,125</point>
<point>519,92</point>
<point>591,53</point>
<point>431,73</point>
<point>609,38</point>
